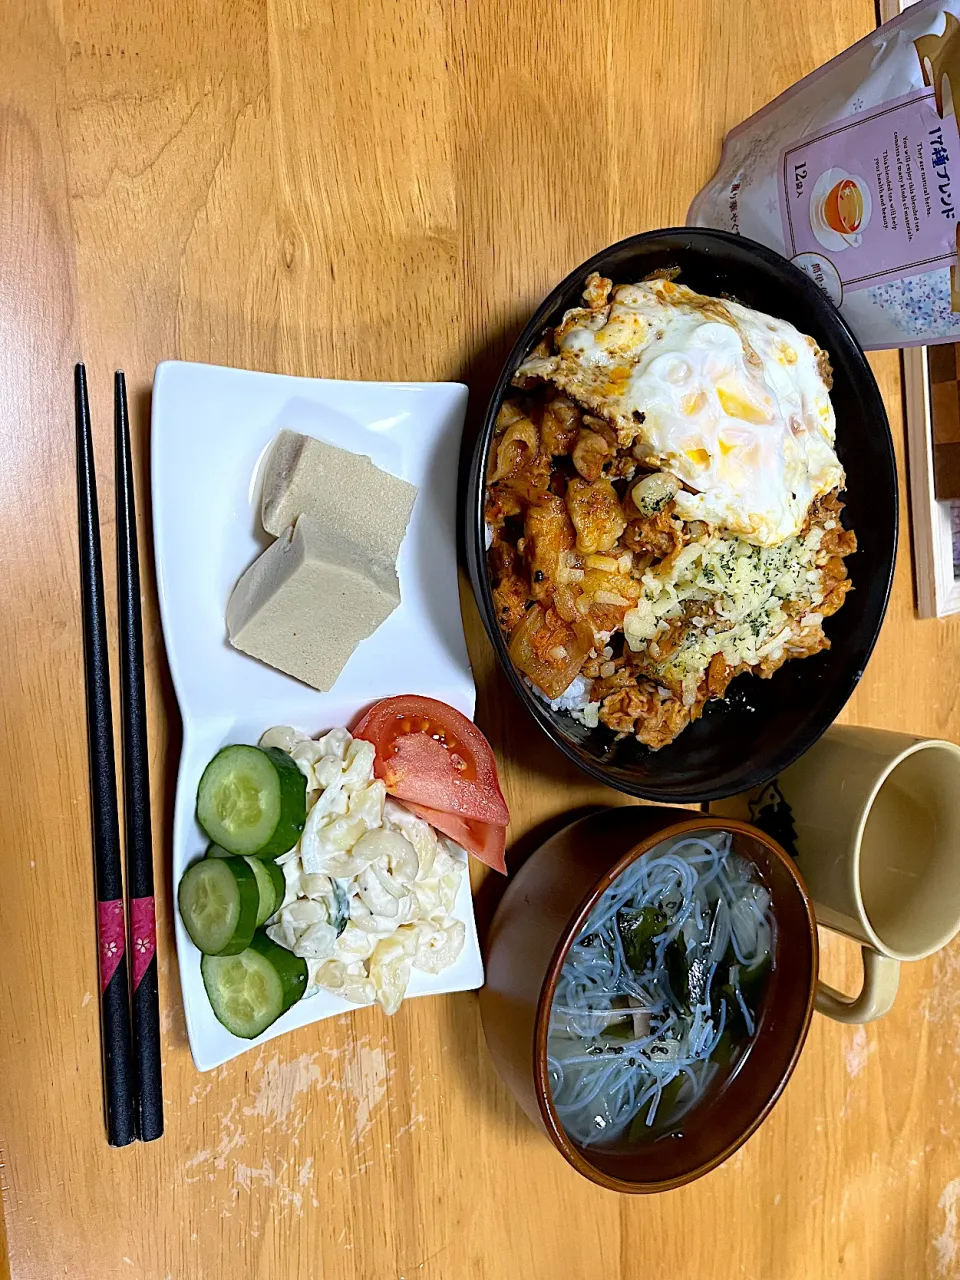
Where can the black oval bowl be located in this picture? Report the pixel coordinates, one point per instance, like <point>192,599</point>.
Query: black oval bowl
<point>763,725</point>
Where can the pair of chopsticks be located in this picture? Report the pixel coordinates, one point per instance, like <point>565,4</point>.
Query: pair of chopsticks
<point>133,1096</point>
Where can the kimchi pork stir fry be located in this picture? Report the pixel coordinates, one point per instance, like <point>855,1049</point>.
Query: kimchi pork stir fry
<point>663,506</point>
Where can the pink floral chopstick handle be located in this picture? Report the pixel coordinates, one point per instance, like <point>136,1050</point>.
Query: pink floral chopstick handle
<point>111,934</point>
<point>143,936</point>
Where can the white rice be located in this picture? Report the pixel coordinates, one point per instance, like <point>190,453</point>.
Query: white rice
<point>575,699</point>
<point>589,716</point>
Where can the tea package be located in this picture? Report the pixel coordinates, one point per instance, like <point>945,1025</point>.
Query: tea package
<point>854,174</point>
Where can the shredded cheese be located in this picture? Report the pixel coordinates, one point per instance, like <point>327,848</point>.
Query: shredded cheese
<point>742,588</point>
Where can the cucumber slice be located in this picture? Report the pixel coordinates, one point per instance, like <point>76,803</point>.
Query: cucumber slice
<point>252,801</point>
<point>251,990</point>
<point>271,883</point>
<point>341,903</point>
<point>219,900</point>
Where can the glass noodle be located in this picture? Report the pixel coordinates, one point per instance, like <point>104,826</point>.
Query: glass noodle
<point>660,990</point>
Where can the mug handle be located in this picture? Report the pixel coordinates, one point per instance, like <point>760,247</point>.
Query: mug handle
<point>881,975</point>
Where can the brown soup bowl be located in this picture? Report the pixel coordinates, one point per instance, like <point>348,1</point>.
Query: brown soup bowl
<point>542,912</point>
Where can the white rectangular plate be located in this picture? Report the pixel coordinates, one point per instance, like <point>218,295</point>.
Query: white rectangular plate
<point>211,430</point>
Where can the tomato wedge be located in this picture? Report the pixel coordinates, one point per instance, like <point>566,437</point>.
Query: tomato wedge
<point>430,754</point>
<point>484,840</point>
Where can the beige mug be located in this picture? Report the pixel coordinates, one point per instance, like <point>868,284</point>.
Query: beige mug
<point>873,819</point>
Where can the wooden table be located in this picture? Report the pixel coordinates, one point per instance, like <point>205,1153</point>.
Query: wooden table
<point>381,190</point>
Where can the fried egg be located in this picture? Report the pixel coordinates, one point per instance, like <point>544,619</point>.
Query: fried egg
<point>733,402</point>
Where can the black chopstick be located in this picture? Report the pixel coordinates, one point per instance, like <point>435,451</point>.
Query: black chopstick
<point>145,1002</point>
<point>117,1066</point>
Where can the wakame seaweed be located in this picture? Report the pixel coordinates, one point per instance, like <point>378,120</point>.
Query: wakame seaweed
<point>639,928</point>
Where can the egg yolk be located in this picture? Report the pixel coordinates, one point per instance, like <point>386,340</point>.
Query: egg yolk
<point>699,457</point>
<point>693,403</point>
<point>735,405</point>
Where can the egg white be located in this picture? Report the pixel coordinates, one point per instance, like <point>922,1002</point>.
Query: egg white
<point>731,401</point>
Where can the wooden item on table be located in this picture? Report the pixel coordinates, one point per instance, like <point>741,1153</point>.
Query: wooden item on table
<point>357,191</point>
<point>141,913</point>
<point>936,522</point>
<point>542,913</point>
<point>118,1072</point>
<point>945,419</point>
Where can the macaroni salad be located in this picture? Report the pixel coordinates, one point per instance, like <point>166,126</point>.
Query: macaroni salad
<point>370,887</point>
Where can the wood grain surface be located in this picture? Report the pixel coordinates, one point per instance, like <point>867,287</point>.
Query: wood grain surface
<point>382,189</point>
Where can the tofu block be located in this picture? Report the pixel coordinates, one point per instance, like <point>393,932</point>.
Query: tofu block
<point>306,603</point>
<point>338,489</point>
